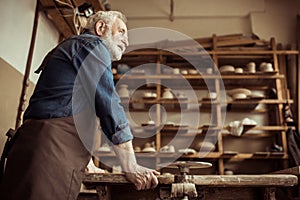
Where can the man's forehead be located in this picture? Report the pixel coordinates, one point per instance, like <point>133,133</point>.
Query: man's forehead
<point>119,24</point>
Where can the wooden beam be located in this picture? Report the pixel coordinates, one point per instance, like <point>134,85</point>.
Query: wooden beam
<point>97,4</point>
<point>59,23</point>
<point>56,15</point>
<point>67,16</point>
<point>25,85</point>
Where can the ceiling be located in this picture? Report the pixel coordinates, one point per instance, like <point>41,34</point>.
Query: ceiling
<point>62,12</point>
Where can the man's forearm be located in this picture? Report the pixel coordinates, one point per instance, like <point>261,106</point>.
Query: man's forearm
<point>126,155</point>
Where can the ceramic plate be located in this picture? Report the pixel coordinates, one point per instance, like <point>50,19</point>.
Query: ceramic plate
<point>239,90</point>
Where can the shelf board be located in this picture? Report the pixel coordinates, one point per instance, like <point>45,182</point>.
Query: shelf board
<point>262,101</point>
<point>264,128</point>
<point>249,135</point>
<point>207,155</point>
<point>257,155</point>
<point>271,128</point>
<point>240,101</point>
<point>224,129</point>
<point>216,155</point>
<point>227,51</point>
<point>200,76</point>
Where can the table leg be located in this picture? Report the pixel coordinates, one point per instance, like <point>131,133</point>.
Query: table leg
<point>269,193</point>
<point>103,192</point>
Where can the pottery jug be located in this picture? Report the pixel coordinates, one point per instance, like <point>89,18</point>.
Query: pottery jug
<point>167,94</point>
<point>123,91</point>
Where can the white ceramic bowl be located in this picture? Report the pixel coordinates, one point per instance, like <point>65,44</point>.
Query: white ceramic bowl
<point>147,94</point>
<point>239,96</point>
<point>239,70</point>
<point>193,71</point>
<point>148,149</point>
<point>227,68</point>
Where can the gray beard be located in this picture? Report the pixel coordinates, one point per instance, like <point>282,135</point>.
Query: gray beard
<point>115,53</point>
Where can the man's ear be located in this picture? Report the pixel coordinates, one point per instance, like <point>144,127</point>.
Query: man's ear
<point>100,28</point>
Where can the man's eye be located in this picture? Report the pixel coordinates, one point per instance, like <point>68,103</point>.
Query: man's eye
<point>122,31</point>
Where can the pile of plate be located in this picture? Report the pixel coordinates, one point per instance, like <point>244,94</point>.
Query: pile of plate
<point>227,68</point>
<point>239,93</point>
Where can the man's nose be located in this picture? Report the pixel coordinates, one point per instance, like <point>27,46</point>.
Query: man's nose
<point>125,40</point>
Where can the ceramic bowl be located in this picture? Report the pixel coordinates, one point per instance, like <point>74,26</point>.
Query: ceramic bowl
<point>148,149</point>
<point>239,70</point>
<point>239,96</point>
<point>247,121</point>
<point>184,72</point>
<point>206,146</point>
<point>167,149</point>
<point>227,68</point>
<point>236,128</point>
<point>193,71</point>
<point>211,95</point>
<point>137,149</point>
<point>187,151</point>
<point>151,122</point>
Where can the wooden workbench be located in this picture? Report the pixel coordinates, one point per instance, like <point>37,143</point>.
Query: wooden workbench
<point>115,186</point>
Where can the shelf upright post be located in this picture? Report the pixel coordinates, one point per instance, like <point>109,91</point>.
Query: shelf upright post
<point>218,108</point>
<point>279,90</point>
<point>158,107</point>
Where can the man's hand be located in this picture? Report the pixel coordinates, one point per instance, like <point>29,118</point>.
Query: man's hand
<point>142,177</point>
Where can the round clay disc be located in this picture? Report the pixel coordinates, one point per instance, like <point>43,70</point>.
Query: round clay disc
<point>189,164</point>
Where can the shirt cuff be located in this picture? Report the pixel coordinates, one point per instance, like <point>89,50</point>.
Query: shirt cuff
<point>123,135</point>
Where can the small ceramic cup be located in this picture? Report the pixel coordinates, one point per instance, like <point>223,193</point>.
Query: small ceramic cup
<point>184,72</point>
<point>251,67</point>
<point>268,67</point>
<point>211,95</point>
<point>262,66</point>
<point>239,70</point>
<point>176,71</point>
<point>147,94</point>
<point>167,94</point>
<point>209,70</point>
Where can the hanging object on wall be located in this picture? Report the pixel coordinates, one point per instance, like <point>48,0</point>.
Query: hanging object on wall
<point>171,10</point>
<point>86,9</point>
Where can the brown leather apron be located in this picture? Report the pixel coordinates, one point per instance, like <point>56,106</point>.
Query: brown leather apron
<point>46,162</point>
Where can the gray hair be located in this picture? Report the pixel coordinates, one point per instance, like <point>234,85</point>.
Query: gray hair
<point>108,17</point>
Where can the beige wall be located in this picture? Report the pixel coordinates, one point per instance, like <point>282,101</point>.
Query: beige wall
<point>10,87</point>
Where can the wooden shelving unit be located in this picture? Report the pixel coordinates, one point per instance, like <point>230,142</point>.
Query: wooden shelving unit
<point>222,50</point>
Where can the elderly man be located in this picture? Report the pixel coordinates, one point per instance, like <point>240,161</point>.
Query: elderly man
<point>54,144</point>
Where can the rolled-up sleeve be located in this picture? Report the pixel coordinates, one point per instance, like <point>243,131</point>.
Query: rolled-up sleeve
<point>112,116</point>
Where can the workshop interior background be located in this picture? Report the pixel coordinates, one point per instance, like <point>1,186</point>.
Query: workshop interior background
<point>196,18</point>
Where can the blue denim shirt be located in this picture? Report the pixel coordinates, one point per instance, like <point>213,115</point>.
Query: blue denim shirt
<point>77,76</point>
